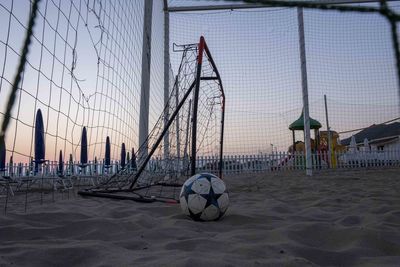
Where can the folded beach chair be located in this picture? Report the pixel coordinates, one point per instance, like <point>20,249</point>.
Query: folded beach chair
<point>6,183</point>
<point>6,180</point>
<point>64,180</point>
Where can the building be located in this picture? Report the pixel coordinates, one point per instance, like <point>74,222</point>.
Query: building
<point>380,137</point>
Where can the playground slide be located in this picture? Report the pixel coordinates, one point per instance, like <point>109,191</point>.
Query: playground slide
<point>285,161</point>
<point>282,162</point>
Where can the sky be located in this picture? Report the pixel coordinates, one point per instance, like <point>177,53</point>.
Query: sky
<point>349,58</point>
<point>85,70</point>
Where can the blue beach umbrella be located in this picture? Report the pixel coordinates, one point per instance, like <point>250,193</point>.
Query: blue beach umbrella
<point>84,147</point>
<point>71,164</point>
<point>107,157</point>
<point>60,164</point>
<point>39,140</point>
<point>2,155</point>
<point>95,165</point>
<point>123,156</point>
<point>133,163</point>
<point>11,166</point>
<point>128,159</point>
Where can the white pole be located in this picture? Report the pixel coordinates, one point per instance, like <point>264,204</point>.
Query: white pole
<point>307,135</point>
<point>330,150</point>
<point>178,144</point>
<point>166,77</point>
<point>145,86</point>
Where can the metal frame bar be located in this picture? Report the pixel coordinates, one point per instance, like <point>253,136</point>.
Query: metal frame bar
<point>195,106</point>
<point>203,48</point>
<point>251,6</point>
<point>218,76</point>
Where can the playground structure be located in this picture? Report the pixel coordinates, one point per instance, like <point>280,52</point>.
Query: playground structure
<point>328,152</point>
<point>319,145</point>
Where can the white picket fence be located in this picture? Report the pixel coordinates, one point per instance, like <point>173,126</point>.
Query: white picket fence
<point>51,168</point>
<point>281,161</point>
<point>284,161</point>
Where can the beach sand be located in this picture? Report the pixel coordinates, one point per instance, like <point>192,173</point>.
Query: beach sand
<point>335,218</point>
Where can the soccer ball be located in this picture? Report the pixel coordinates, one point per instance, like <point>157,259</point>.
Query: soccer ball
<point>204,197</point>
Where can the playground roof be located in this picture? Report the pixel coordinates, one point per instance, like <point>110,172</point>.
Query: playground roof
<point>299,123</point>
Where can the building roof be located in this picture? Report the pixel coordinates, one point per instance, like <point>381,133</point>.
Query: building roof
<point>374,132</point>
<point>299,123</point>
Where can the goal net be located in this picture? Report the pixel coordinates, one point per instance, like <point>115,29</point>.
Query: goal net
<point>349,60</point>
<point>189,131</point>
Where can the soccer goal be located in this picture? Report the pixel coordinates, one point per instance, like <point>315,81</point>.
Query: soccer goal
<point>191,127</point>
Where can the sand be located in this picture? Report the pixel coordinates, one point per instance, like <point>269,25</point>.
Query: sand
<point>341,218</point>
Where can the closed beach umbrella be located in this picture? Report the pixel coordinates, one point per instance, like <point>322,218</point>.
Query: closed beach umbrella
<point>2,155</point>
<point>39,140</point>
<point>71,164</point>
<point>60,163</point>
<point>123,155</point>
<point>107,157</point>
<point>84,148</point>
<point>128,159</point>
<point>11,166</point>
<point>95,164</point>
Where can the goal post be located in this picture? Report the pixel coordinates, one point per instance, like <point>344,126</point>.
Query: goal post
<point>196,108</point>
<point>203,49</point>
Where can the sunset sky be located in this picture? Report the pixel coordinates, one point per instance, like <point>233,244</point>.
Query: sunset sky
<point>85,70</point>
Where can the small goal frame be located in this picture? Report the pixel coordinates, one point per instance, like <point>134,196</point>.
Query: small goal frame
<point>131,192</point>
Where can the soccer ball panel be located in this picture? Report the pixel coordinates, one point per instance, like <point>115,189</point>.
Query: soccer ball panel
<point>191,179</point>
<point>184,206</point>
<point>188,182</point>
<point>223,202</point>
<point>210,213</point>
<point>182,190</point>
<point>201,186</point>
<point>196,203</point>
<point>218,185</point>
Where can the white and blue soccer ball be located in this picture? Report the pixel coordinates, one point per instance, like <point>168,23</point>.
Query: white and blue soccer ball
<point>204,197</point>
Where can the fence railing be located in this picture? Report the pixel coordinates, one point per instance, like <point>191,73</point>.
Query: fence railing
<point>53,168</point>
<point>278,161</point>
<point>284,161</point>
<point>22,184</point>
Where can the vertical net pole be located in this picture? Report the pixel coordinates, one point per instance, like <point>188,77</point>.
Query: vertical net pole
<point>330,150</point>
<point>195,106</point>
<point>145,86</point>
<point>221,148</point>
<point>305,91</point>
<point>166,77</point>
<point>178,143</point>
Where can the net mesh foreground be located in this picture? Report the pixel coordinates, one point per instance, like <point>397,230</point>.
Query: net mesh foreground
<point>84,70</point>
